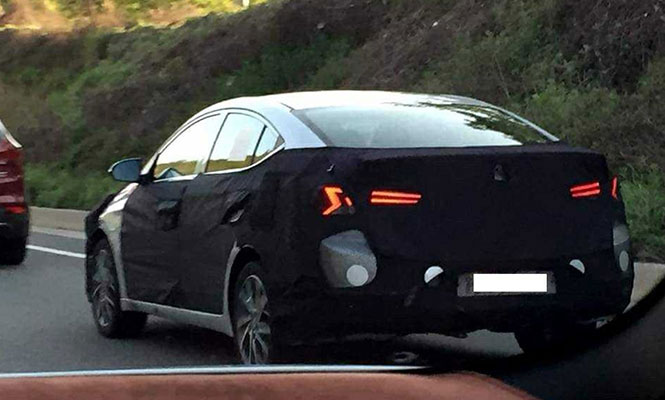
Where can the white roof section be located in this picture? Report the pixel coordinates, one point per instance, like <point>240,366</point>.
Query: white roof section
<point>341,98</point>
<point>277,108</point>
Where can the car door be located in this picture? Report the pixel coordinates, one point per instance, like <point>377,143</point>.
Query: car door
<point>214,203</point>
<point>151,217</point>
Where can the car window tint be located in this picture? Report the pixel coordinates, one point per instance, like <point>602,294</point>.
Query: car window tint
<point>269,142</point>
<point>422,125</point>
<point>185,154</point>
<point>236,143</point>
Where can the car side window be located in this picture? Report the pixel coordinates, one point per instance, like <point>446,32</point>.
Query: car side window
<point>185,155</point>
<point>270,140</point>
<point>236,143</point>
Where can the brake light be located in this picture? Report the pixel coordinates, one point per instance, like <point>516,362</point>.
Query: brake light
<point>16,209</point>
<point>585,190</point>
<point>396,198</point>
<point>615,188</point>
<point>336,201</point>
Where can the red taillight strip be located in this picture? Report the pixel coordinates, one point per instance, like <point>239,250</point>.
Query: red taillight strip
<point>585,190</point>
<point>588,193</point>
<point>391,197</point>
<point>403,195</point>
<point>586,186</point>
<point>615,187</point>
<point>393,201</point>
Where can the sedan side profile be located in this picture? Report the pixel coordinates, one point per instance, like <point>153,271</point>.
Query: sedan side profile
<point>301,215</point>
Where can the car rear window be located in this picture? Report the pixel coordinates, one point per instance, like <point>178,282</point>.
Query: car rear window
<point>420,125</point>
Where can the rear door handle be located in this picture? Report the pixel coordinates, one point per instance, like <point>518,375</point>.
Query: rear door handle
<point>236,215</point>
<point>233,215</point>
<point>236,204</point>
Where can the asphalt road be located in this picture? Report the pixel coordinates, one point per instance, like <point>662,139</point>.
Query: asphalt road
<point>46,326</point>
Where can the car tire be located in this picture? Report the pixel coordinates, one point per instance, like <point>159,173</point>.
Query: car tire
<point>538,339</point>
<point>109,318</point>
<point>254,335</point>
<point>13,251</point>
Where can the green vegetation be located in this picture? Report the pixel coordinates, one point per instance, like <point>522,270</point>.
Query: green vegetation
<point>592,73</point>
<point>644,195</point>
<point>53,186</point>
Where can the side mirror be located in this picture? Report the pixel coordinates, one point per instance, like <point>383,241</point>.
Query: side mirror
<point>127,170</point>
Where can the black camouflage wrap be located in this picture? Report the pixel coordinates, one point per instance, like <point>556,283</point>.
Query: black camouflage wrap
<point>177,236</point>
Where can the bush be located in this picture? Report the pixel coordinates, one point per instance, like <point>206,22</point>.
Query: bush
<point>644,195</point>
<point>52,186</point>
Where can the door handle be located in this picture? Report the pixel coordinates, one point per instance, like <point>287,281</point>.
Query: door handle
<point>233,215</point>
<point>236,215</point>
<point>235,207</point>
<point>168,207</point>
<point>168,213</point>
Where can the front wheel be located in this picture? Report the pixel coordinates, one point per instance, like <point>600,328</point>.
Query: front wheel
<point>252,328</point>
<point>109,318</point>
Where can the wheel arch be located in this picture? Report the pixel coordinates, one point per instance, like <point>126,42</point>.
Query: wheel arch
<point>240,255</point>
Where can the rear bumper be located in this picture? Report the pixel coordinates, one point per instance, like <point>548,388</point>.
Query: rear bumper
<point>440,310</point>
<point>397,299</point>
<point>431,312</point>
<point>14,226</point>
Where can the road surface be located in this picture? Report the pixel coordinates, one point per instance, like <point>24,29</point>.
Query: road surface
<point>46,326</point>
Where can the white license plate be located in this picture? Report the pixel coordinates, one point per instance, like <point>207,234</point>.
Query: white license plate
<point>506,284</point>
<point>510,283</point>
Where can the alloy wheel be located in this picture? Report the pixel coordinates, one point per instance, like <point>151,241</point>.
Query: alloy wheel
<point>252,321</point>
<point>104,306</point>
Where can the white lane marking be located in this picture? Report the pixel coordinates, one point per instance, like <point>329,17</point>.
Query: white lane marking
<point>56,251</point>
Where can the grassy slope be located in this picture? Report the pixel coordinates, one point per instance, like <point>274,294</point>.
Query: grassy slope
<point>592,73</point>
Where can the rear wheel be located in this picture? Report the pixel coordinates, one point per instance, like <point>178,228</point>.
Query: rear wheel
<point>110,320</point>
<point>253,332</point>
<point>536,339</point>
<point>13,251</point>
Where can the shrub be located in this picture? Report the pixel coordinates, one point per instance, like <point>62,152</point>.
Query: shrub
<point>644,195</point>
<point>51,186</point>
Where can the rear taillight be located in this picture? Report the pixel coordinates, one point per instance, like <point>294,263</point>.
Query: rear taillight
<point>12,198</point>
<point>16,208</point>
<point>336,201</point>
<point>389,197</point>
<point>591,189</point>
<point>615,188</point>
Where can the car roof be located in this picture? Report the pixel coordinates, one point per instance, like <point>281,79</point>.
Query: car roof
<point>341,98</point>
<point>277,108</point>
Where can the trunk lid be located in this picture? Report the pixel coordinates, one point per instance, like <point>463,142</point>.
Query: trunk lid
<point>484,204</point>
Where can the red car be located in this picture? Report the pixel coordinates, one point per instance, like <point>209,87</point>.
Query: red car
<point>14,213</point>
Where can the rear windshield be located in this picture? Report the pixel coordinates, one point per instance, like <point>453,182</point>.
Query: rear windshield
<point>421,125</point>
